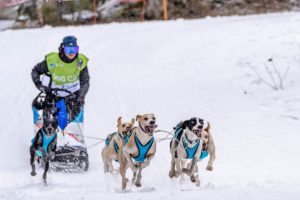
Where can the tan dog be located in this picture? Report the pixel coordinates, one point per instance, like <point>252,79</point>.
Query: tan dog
<point>114,144</point>
<point>209,146</point>
<point>141,148</point>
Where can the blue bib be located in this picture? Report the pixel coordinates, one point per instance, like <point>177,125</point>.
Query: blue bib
<point>143,149</point>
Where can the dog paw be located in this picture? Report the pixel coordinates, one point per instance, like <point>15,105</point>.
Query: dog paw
<point>177,174</point>
<point>171,173</point>
<point>193,178</point>
<point>137,184</point>
<point>209,168</point>
<point>33,173</point>
<point>124,183</point>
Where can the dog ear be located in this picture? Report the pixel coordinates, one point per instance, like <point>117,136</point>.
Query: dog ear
<point>138,117</point>
<point>132,121</point>
<point>119,120</point>
<point>208,127</point>
<point>184,124</point>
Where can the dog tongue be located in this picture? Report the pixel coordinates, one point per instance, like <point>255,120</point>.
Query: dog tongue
<point>152,128</point>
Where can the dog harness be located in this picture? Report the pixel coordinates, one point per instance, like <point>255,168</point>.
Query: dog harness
<point>46,141</point>
<point>143,149</point>
<point>126,138</point>
<point>108,139</point>
<point>190,152</point>
<point>116,146</point>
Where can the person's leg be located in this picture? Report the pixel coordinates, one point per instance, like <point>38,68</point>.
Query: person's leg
<point>73,108</point>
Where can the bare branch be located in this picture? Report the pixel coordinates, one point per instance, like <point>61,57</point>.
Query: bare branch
<point>275,85</point>
<point>261,78</point>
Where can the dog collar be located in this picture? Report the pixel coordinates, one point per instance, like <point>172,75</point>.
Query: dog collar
<point>190,141</point>
<point>142,128</point>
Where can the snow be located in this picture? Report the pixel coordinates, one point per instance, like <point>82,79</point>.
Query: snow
<point>177,70</point>
<point>5,24</point>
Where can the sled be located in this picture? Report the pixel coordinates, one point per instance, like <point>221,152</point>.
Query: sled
<point>71,152</point>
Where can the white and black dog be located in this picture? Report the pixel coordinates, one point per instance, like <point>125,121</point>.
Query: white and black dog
<point>44,143</point>
<point>187,144</point>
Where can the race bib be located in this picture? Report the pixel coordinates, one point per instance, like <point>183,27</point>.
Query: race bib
<point>71,87</point>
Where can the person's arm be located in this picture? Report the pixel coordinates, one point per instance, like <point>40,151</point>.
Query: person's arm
<point>84,82</point>
<point>39,69</point>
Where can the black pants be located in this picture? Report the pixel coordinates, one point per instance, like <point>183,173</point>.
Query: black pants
<point>73,107</point>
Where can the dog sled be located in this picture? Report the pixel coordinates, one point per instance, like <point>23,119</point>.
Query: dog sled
<point>71,151</point>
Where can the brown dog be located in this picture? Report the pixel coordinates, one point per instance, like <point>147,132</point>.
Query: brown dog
<point>141,148</point>
<point>114,144</point>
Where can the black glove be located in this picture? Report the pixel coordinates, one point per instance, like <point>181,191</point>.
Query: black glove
<point>45,89</point>
<point>80,100</point>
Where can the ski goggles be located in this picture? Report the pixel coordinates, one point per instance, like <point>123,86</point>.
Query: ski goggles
<point>71,49</point>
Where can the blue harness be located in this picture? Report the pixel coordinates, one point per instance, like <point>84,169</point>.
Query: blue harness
<point>108,139</point>
<point>126,138</point>
<point>190,152</point>
<point>143,149</point>
<point>46,141</point>
<point>116,146</point>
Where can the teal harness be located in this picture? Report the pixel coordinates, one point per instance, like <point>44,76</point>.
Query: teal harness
<point>116,146</point>
<point>143,149</point>
<point>190,152</point>
<point>46,141</point>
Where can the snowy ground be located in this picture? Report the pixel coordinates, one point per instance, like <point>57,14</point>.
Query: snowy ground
<point>5,24</point>
<point>176,70</point>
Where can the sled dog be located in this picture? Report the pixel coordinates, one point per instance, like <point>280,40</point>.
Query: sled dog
<point>44,143</point>
<point>139,149</point>
<point>114,144</point>
<point>188,144</point>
